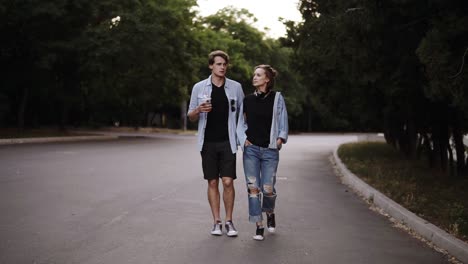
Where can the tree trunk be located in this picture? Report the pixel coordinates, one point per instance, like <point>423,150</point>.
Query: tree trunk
<point>459,149</point>
<point>63,118</point>
<point>412,137</point>
<point>429,149</point>
<point>436,148</point>
<point>450,160</point>
<point>183,115</point>
<point>389,135</point>
<point>419,146</point>
<point>22,108</point>
<point>440,127</point>
<point>444,145</point>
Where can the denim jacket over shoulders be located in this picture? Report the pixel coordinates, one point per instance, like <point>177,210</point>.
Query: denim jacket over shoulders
<point>279,124</point>
<point>234,92</point>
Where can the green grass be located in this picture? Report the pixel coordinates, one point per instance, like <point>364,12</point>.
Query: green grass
<point>434,196</point>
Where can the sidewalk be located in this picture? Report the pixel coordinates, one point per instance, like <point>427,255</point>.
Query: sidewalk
<point>100,134</point>
<point>10,141</point>
<point>423,228</point>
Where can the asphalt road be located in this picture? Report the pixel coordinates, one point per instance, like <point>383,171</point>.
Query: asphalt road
<point>143,200</point>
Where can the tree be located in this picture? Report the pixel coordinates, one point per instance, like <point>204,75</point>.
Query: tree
<point>233,30</point>
<point>93,63</point>
<point>148,56</point>
<point>363,62</point>
<point>443,52</point>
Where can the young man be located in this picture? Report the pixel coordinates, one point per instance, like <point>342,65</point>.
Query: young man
<point>215,103</point>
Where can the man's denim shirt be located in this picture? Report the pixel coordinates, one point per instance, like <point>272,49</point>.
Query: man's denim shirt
<point>235,97</point>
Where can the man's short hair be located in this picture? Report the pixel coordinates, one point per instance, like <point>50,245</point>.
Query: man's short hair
<point>216,53</point>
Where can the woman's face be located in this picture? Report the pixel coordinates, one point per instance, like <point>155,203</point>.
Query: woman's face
<point>260,79</point>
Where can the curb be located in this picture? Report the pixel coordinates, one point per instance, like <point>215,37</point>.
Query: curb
<point>430,232</point>
<point>11,141</point>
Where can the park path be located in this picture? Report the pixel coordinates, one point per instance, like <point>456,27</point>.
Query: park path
<point>143,200</point>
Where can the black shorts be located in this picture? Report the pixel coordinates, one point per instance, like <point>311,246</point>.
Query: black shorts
<point>218,160</point>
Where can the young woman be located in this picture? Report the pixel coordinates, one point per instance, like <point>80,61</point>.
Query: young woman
<point>262,130</point>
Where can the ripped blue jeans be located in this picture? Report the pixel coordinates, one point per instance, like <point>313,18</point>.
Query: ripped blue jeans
<point>260,166</point>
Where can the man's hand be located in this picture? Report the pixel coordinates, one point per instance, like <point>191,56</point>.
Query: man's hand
<point>205,107</point>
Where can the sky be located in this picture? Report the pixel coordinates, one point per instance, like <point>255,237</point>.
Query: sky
<point>266,11</point>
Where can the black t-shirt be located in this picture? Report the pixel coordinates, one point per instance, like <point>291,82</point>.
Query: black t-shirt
<point>259,113</point>
<point>217,122</point>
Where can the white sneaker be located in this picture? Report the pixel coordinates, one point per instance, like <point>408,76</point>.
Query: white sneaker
<point>217,229</point>
<point>230,229</point>
<point>259,234</point>
<point>271,223</point>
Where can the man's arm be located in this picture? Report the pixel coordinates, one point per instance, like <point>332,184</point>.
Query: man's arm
<point>194,109</point>
<point>194,114</point>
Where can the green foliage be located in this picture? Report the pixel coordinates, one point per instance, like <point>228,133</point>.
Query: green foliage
<point>363,55</point>
<point>149,64</point>
<point>94,69</point>
<point>443,53</point>
<point>93,63</point>
<point>232,30</point>
<point>391,66</point>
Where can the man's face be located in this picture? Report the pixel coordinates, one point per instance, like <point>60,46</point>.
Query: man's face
<point>219,67</point>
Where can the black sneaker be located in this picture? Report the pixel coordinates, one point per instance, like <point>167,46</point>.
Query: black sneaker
<point>230,229</point>
<point>271,224</point>
<point>217,229</point>
<point>259,234</point>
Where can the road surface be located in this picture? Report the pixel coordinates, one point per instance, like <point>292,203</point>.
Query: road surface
<point>143,200</point>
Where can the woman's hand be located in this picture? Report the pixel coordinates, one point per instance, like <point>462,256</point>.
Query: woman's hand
<point>247,143</point>
<point>279,143</point>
